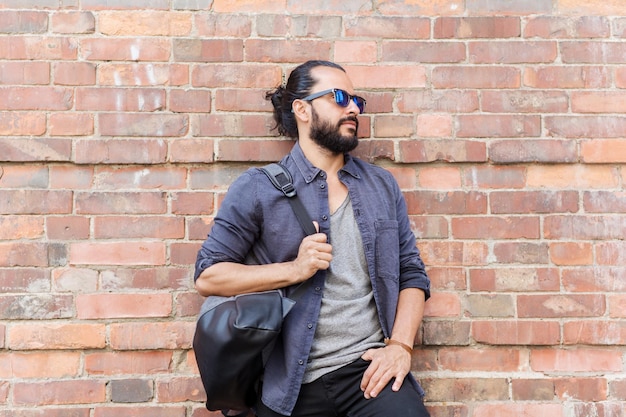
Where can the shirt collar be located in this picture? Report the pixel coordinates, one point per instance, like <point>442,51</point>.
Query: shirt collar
<point>309,171</point>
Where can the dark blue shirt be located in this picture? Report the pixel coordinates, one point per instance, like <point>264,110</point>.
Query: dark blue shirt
<point>256,218</point>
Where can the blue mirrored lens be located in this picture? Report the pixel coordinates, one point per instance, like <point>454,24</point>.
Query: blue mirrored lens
<point>342,98</point>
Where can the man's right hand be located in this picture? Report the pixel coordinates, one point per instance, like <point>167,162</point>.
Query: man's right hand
<point>315,253</point>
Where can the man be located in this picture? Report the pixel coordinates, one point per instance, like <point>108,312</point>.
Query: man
<point>346,345</point>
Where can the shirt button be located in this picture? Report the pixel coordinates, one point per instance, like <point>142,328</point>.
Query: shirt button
<point>324,217</point>
<point>300,362</point>
<point>310,326</point>
<point>318,289</point>
<point>322,186</point>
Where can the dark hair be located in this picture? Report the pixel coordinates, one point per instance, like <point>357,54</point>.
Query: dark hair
<point>298,86</point>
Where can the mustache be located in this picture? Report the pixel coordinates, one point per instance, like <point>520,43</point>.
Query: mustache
<point>349,119</point>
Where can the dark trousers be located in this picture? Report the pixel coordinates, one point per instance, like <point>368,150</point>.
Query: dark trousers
<point>338,394</point>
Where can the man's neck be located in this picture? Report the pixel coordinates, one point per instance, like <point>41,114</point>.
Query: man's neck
<point>321,157</point>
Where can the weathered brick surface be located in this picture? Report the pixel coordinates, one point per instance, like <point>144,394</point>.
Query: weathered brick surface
<point>123,123</point>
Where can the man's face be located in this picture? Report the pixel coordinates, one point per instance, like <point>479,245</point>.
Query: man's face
<point>330,136</point>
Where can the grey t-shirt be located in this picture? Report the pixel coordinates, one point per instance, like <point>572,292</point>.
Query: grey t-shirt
<point>348,324</point>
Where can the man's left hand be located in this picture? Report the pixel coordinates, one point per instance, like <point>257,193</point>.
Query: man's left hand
<point>385,364</point>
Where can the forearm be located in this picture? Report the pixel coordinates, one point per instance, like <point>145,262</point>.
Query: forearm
<point>408,315</point>
<point>229,278</point>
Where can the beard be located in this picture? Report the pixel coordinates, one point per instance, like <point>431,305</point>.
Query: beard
<point>329,137</point>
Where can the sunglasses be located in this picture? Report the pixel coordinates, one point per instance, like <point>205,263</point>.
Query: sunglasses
<point>342,98</point>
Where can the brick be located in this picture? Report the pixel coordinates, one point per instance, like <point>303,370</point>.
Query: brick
<point>603,151</point>
<point>533,333</point>
<point>604,201</point>
<point>188,304</point>
<point>23,253</point>
<point>506,7</point>
<point>236,76</point>
<point>21,227</point>
<point>107,306</point>
<point>351,51</point>
<point>28,47</point>
<point>447,278</point>
<point>371,150</point>
<point>15,22</point>
<point>75,280</point>
<point>56,336</point>
<point>249,100</point>
<point>618,389</point>
<point>230,125</point>
<point>192,150</point>
<point>25,176</point>
<point>135,49</point>
<point>452,202</point>
<point>59,392</point>
<point>423,52</point>
<point>567,27</point>
<point>391,126</point>
<point>123,5</point>
<point>36,98</point>
<point>70,177</point>
<point>446,333</point>
<point>571,177</point>
<point>454,253</point>
<point>131,391</point>
<point>452,101</point>
<point>132,177</point>
<point>242,150</point>
<point>121,203</point>
<point>498,126</point>
<point>435,125</point>
<point>520,202</point>
<point>524,409</point>
<point>145,23</point>
<point>595,279</point>
<point>40,365</point>
<point>114,253</point>
<point>213,178</point>
<point>134,124</point>
<point>180,389</point>
<point>190,101</point>
<point>556,306</point>
<point>183,253</point>
<point>151,335</point>
<point>197,203</point>
<point>71,124</point>
<point>525,101</point>
<point>521,253</point>
<point>567,77</point>
<point>592,52</point>
<point>476,27</point>
<point>466,389</point>
<point>584,227</point>
<point>598,102</point>
<point>575,253</point>
<point>24,280</point>
<point>141,410</point>
<point>142,74</point>
<point>602,409</point>
<point>24,73</point>
<point>74,73</point>
<point>608,253</point>
<point>198,228</point>
<point>120,99</point>
<point>576,360</point>
<point>128,363</point>
<point>209,50</point>
<point>441,178</point>
<point>593,332</point>
<point>533,389</point>
<point>386,27</point>
<point>498,305</point>
<point>35,306</point>
<point>266,6</point>
<point>387,76</point>
<point>481,359</point>
<point>226,25</point>
<point>263,50</point>
<point>420,7</point>
<point>443,305</point>
<point>160,278</point>
<point>16,123</point>
<point>456,150</point>
<point>73,22</point>
<point>149,227</point>
<point>120,151</point>
<point>529,150</point>
<point>476,77</point>
<point>494,177</point>
<point>495,228</point>
<point>512,52</point>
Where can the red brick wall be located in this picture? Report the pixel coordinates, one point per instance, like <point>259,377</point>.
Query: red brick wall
<point>122,126</point>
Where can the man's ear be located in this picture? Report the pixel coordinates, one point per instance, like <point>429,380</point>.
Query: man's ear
<point>301,110</point>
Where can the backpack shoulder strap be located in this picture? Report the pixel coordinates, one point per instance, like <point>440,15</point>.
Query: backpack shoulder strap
<point>282,180</point>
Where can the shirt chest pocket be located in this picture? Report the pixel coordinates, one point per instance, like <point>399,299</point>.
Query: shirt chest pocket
<point>387,249</point>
